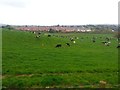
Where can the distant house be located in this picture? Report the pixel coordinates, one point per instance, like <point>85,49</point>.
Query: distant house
<point>84,30</point>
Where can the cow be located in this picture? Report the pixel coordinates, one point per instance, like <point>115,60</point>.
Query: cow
<point>39,33</point>
<point>58,45</point>
<point>49,35</point>
<point>76,38</point>
<point>74,42</point>
<point>118,46</point>
<point>93,39</point>
<point>34,32</point>
<point>71,39</point>
<point>68,44</point>
<point>107,44</point>
<point>104,42</point>
<point>37,36</point>
<point>108,39</point>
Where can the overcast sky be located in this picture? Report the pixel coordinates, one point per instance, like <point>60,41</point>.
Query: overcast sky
<point>63,12</point>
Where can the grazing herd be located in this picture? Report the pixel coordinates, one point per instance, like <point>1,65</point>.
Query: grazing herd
<point>37,34</point>
<point>106,41</point>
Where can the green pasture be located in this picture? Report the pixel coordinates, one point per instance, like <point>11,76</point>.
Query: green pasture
<point>35,62</point>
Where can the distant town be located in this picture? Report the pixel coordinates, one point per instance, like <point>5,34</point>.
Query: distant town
<point>64,28</point>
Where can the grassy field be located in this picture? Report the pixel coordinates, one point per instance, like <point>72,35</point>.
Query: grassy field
<point>35,62</point>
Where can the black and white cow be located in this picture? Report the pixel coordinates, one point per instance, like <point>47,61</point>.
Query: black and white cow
<point>68,44</point>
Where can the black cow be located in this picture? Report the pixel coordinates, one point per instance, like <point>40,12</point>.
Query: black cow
<point>58,45</point>
<point>33,32</point>
<point>93,40</point>
<point>118,46</point>
<point>49,35</point>
<point>68,44</point>
<point>39,33</point>
<point>104,42</point>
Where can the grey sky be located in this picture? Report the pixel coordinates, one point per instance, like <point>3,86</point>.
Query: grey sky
<point>63,12</point>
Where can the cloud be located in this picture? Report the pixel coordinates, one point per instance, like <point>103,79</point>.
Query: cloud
<point>14,3</point>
